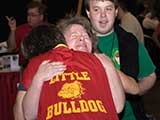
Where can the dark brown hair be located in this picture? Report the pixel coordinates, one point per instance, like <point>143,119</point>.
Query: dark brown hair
<point>42,8</point>
<point>87,3</point>
<point>41,39</point>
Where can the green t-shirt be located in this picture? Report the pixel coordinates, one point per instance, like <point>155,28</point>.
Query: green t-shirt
<point>146,65</point>
<point>109,46</point>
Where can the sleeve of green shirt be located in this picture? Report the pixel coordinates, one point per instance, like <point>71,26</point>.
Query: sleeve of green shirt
<point>146,65</point>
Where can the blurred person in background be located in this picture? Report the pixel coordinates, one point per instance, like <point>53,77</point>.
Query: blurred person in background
<point>36,15</point>
<point>128,21</point>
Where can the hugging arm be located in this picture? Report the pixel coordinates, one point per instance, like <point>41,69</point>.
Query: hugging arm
<point>45,72</point>
<point>117,90</point>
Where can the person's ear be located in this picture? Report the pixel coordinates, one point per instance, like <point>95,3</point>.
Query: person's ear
<point>116,13</point>
<point>42,17</point>
<point>88,14</point>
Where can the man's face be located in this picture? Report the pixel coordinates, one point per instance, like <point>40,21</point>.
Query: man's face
<point>102,15</point>
<point>77,38</point>
<point>34,18</point>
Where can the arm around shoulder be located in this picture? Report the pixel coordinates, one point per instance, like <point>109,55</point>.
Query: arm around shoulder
<point>117,90</point>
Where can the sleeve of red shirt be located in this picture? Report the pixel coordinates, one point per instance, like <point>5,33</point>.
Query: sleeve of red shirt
<point>29,73</point>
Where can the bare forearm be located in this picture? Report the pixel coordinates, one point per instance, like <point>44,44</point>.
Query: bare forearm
<point>116,87</point>
<point>17,110</point>
<point>117,90</point>
<point>45,72</point>
<point>130,84</point>
<point>11,42</point>
<point>147,83</point>
<point>31,101</point>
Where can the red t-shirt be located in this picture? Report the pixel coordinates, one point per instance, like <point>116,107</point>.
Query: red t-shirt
<point>82,92</point>
<point>21,33</point>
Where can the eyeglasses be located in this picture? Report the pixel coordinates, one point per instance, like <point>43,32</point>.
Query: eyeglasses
<point>77,35</point>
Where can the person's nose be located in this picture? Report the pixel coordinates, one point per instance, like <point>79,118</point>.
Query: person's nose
<point>81,38</point>
<point>103,13</point>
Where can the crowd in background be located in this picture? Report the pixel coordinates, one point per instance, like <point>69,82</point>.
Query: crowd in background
<point>134,20</point>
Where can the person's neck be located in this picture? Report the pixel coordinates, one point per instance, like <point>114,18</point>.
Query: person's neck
<point>104,34</point>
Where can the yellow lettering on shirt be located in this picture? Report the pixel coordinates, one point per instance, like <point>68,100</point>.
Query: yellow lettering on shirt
<point>66,109</point>
<point>72,76</point>
<point>50,112</point>
<point>92,106</point>
<point>81,106</point>
<point>100,106</point>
